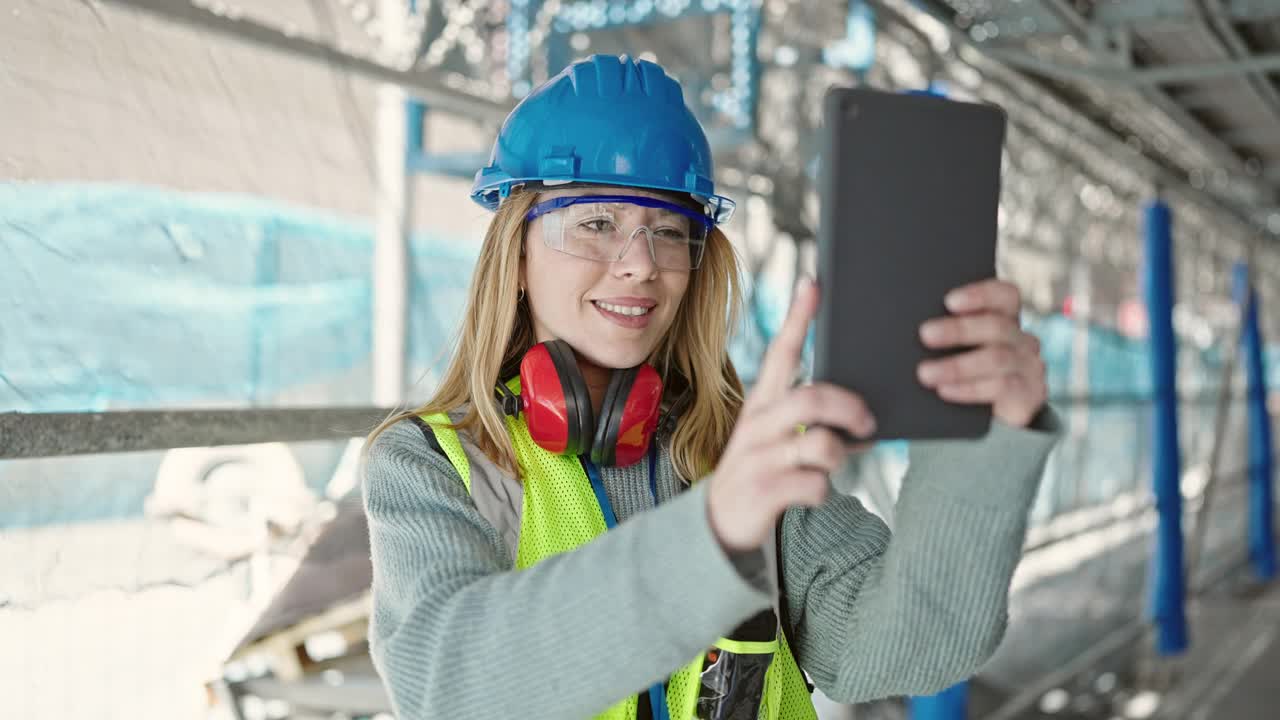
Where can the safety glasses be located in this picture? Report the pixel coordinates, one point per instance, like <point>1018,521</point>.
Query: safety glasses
<point>594,227</point>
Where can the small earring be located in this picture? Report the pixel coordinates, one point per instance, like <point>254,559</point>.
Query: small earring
<point>520,294</point>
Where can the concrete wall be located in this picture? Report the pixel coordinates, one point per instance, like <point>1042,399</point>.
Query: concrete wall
<point>96,92</point>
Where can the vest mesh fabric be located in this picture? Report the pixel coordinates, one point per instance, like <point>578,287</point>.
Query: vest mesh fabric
<point>559,513</point>
<point>560,503</point>
<point>794,700</point>
<point>682,690</point>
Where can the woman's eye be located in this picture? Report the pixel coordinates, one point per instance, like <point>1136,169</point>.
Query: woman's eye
<point>597,225</point>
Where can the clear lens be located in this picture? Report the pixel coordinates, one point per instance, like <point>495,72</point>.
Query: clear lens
<point>598,231</point>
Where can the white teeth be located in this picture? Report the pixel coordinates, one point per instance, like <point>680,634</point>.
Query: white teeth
<point>624,309</point>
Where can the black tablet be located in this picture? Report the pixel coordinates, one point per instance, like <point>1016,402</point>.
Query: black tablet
<point>910,186</point>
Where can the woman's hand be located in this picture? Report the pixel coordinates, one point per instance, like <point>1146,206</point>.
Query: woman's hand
<point>768,464</point>
<point>1004,368</point>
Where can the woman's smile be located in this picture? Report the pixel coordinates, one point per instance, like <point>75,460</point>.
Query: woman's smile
<point>627,312</point>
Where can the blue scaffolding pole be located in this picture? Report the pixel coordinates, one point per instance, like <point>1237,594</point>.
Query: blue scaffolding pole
<point>950,704</point>
<point>1261,538</point>
<point>1168,583</point>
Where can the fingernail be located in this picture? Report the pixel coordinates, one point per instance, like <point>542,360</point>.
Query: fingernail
<point>869,426</point>
<point>956,300</point>
<point>928,373</point>
<point>931,332</point>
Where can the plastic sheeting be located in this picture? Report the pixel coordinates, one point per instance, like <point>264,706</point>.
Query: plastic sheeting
<point>128,297</point>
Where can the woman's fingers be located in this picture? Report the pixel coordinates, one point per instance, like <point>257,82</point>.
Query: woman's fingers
<point>985,390</point>
<point>986,361</point>
<point>778,368</point>
<point>815,449</point>
<point>969,330</point>
<point>1029,345</point>
<point>797,487</point>
<point>991,295</point>
<point>770,466</point>
<point>745,499</point>
<point>825,404</point>
<point>819,404</point>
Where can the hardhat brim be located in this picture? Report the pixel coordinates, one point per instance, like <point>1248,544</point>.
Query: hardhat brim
<point>717,207</point>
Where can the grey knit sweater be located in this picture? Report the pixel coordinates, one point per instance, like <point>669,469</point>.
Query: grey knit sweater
<point>456,633</point>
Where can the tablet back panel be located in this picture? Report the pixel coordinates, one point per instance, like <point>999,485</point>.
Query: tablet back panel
<point>910,188</point>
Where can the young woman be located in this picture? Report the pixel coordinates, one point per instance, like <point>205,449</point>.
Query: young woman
<point>589,519</point>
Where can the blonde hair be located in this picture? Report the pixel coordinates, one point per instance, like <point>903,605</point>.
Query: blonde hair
<point>692,355</point>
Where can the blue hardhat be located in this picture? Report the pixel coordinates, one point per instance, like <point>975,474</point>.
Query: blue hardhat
<point>605,121</point>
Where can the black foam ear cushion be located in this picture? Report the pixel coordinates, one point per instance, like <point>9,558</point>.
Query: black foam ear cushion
<point>577,399</point>
<point>604,447</point>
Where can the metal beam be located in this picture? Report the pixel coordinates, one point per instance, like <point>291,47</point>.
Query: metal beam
<point>1199,98</point>
<point>1163,75</point>
<point>1076,24</point>
<point>1004,74</point>
<point>1214,145</point>
<point>430,87</point>
<point>739,102</point>
<point>1148,14</point>
<point>36,435</point>
<point>585,15</point>
<point>1252,137</point>
<point>1234,45</point>
<point>1131,13</point>
<point>1231,45</point>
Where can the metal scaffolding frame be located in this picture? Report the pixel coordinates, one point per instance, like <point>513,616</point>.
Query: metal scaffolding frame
<point>431,87</point>
<point>1103,55</point>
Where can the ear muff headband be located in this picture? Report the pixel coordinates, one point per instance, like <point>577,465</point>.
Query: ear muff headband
<point>605,445</point>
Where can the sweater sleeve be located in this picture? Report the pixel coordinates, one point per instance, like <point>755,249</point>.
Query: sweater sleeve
<point>456,633</point>
<point>879,618</point>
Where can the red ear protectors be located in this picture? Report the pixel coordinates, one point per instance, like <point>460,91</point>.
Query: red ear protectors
<point>557,406</point>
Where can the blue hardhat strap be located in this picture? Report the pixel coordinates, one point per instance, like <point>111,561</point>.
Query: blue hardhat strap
<point>554,204</point>
<point>716,207</point>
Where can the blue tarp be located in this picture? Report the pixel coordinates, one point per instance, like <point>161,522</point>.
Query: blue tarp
<point>128,297</point>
